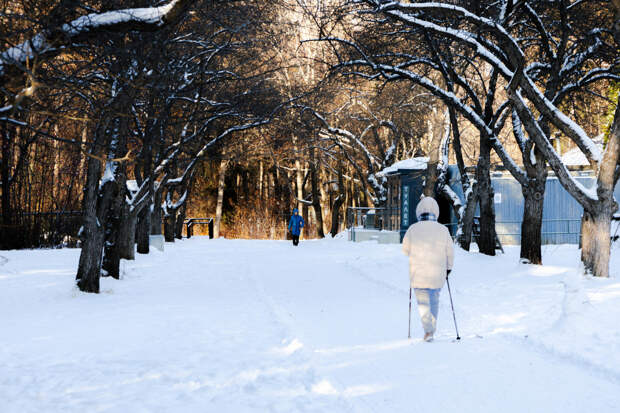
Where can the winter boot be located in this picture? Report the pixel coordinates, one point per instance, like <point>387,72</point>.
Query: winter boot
<point>428,337</point>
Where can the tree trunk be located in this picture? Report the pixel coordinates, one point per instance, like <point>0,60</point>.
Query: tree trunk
<point>127,235</point>
<point>170,214</point>
<point>534,197</point>
<point>111,255</point>
<point>221,184</point>
<point>486,238</point>
<point>7,230</point>
<point>531,226</point>
<point>156,213</point>
<point>92,234</point>
<point>467,218</point>
<point>596,221</point>
<point>306,230</point>
<point>169,221</point>
<point>595,241</point>
<point>338,202</point>
<point>143,229</point>
<point>178,226</point>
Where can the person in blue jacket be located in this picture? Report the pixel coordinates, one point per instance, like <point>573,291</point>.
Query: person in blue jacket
<point>295,225</point>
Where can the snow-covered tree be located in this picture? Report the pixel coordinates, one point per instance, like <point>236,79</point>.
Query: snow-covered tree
<point>493,32</point>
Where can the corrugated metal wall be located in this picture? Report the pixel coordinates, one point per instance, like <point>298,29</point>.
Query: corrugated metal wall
<point>561,213</point>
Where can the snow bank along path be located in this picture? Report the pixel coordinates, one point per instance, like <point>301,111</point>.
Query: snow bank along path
<point>261,326</point>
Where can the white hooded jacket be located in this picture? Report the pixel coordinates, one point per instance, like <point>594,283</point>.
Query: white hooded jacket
<point>429,247</point>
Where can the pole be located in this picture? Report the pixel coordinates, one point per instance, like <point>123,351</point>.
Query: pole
<point>409,333</point>
<point>452,305</point>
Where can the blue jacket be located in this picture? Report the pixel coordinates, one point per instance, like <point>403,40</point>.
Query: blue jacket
<point>296,224</point>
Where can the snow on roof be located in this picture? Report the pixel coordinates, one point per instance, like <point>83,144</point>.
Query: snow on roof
<point>132,185</point>
<point>417,163</point>
<point>575,157</point>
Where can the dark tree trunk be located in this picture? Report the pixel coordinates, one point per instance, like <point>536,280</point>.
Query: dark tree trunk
<point>221,185</point>
<point>96,204</point>
<point>103,203</point>
<point>156,213</point>
<point>143,226</point>
<point>111,255</point>
<point>338,202</point>
<point>431,178</point>
<point>143,230</point>
<point>304,214</point>
<point>486,238</point>
<point>534,197</point>
<point>467,218</point>
<point>531,226</point>
<point>169,221</point>
<point>7,213</point>
<point>127,235</point>
<point>178,226</point>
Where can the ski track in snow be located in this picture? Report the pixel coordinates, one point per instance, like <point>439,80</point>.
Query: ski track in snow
<point>255,326</point>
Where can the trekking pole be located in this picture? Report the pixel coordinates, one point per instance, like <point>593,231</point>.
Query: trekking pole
<point>409,333</point>
<point>452,305</point>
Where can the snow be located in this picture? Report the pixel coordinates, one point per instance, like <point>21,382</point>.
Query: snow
<point>569,127</point>
<point>575,157</point>
<point>132,186</point>
<point>175,181</point>
<point>145,15</point>
<point>108,173</point>
<point>255,326</point>
<point>416,163</point>
<point>24,51</point>
<point>38,44</point>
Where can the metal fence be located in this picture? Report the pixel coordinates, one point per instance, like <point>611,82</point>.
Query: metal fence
<point>191,222</point>
<point>383,219</point>
<point>553,231</point>
<point>42,230</point>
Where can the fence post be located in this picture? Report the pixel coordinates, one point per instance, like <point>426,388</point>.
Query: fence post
<point>189,228</point>
<point>211,228</point>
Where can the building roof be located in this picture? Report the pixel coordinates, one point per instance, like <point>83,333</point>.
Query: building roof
<point>411,164</point>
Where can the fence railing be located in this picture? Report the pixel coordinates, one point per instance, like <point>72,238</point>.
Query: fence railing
<point>191,222</point>
<point>41,230</point>
<point>554,231</point>
<point>386,219</point>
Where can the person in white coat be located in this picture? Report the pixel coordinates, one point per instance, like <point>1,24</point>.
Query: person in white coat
<point>431,256</point>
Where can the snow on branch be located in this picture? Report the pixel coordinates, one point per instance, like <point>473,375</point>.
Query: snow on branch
<point>41,44</point>
<point>582,194</point>
<point>569,127</point>
<point>409,13</point>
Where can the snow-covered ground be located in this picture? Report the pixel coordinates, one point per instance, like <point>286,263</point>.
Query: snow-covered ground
<point>261,326</point>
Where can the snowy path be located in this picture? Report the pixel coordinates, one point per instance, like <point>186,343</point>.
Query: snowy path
<point>255,326</point>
